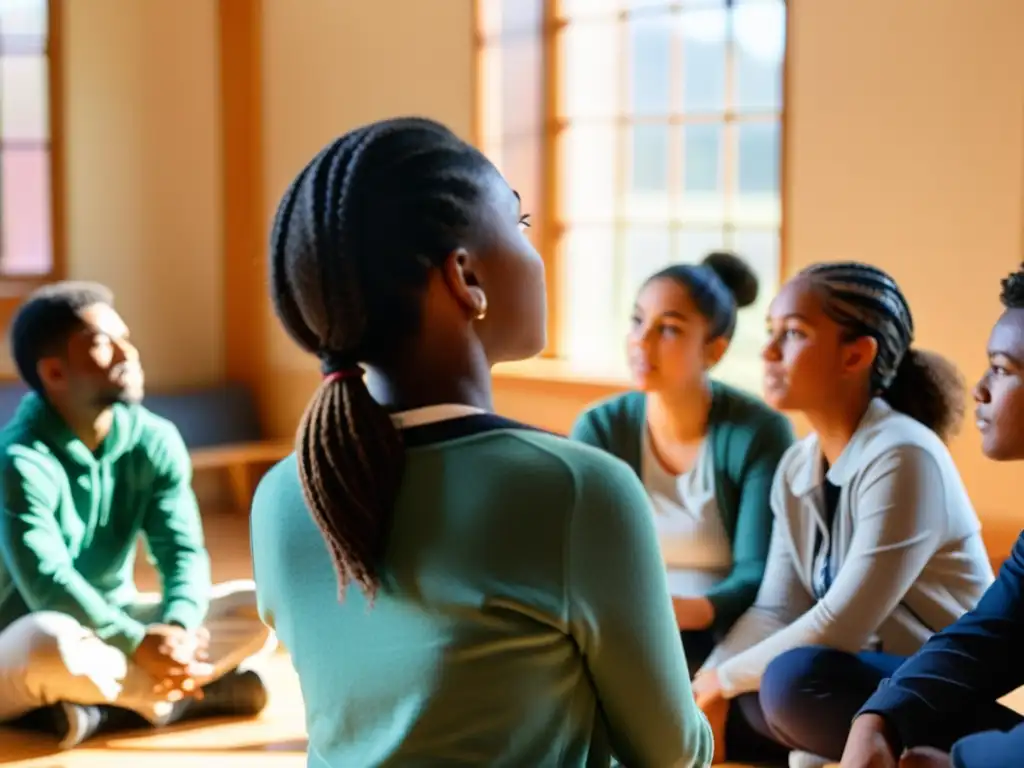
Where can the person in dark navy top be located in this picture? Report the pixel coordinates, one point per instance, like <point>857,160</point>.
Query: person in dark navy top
<point>940,707</point>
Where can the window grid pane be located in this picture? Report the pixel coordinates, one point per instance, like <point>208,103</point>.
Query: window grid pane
<point>695,167</point>
<point>26,233</point>
<point>24,106</point>
<point>25,214</point>
<point>23,19</point>
<point>666,143</point>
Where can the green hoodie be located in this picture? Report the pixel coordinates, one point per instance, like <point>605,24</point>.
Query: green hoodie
<point>71,519</point>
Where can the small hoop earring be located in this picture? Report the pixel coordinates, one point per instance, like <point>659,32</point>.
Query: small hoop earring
<point>482,312</point>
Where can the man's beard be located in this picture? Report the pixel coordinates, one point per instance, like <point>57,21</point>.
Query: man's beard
<point>125,396</point>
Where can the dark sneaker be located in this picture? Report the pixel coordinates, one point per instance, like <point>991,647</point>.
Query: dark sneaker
<point>71,724</point>
<point>75,723</point>
<point>237,694</point>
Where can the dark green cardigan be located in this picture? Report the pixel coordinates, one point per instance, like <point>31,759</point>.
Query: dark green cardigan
<point>747,441</point>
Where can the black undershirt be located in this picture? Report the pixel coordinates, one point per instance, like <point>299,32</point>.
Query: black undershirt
<point>831,497</point>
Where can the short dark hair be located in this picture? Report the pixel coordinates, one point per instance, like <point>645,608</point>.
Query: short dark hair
<point>720,285</point>
<point>353,244</point>
<point>45,321</point>
<point>1012,294</point>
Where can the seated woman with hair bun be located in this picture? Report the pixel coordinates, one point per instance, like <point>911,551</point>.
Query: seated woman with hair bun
<point>706,452</point>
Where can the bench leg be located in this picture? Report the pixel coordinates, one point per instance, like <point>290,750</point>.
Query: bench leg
<point>240,479</point>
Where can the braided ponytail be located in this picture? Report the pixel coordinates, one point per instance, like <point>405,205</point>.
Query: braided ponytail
<point>353,242</point>
<point>348,448</point>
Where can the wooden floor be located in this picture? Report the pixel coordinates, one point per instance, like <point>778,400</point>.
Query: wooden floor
<point>275,740</point>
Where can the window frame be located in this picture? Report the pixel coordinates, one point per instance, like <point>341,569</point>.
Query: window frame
<point>549,227</point>
<point>14,288</point>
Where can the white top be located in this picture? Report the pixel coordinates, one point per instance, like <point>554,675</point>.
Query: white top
<point>906,549</point>
<point>694,544</point>
<point>431,414</point>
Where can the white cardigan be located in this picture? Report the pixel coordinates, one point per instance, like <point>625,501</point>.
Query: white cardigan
<point>908,555</point>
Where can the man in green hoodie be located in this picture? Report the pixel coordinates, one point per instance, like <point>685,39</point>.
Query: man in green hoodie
<point>85,471</point>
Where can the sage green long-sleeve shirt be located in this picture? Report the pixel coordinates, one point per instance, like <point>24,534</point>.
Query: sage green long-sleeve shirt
<point>71,519</point>
<point>524,617</point>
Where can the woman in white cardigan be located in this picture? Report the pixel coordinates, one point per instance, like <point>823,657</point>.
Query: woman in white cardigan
<point>875,545</point>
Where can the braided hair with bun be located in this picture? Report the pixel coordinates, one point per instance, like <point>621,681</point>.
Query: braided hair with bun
<point>719,286</point>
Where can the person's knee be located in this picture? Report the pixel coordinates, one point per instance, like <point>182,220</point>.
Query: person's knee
<point>235,589</point>
<point>234,600</point>
<point>791,683</point>
<point>237,597</point>
<point>42,637</point>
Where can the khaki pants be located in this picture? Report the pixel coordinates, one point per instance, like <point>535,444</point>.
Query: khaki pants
<point>47,657</point>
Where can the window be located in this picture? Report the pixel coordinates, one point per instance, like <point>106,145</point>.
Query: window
<point>662,131</point>
<point>26,163</point>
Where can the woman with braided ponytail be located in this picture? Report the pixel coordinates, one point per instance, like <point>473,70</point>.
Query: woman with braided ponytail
<point>875,545</point>
<point>454,588</point>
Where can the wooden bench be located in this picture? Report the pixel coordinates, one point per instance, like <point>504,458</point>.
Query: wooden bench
<point>221,428</point>
<point>219,424</point>
<point>244,464</point>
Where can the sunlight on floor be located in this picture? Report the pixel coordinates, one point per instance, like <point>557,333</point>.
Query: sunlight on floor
<point>276,739</point>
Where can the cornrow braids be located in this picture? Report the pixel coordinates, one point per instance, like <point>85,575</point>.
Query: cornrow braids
<point>1012,295</point>
<point>866,301</point>
<point>353,243</point>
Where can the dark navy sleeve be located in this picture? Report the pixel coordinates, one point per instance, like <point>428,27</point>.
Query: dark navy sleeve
<point>990,749</point>
<point>970,664</point>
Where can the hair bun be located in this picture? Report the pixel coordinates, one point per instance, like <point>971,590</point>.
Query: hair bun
<point>737,275</point>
